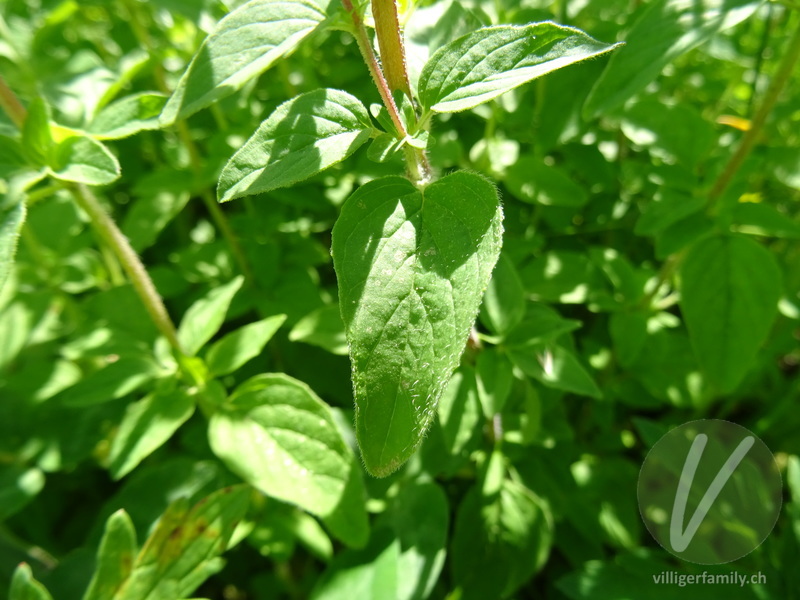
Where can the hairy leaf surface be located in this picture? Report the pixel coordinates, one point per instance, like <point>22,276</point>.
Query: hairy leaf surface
<point>412,267</point>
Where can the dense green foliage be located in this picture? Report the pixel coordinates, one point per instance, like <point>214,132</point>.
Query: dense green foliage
<point>423,340</point>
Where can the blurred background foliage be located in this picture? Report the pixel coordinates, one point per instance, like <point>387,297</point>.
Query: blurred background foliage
<point>584,360</point>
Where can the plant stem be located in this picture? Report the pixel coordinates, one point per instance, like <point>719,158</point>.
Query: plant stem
<point>419,169</point>
<point>114,238</point>
<point>780,80</point>
<point>11,104</point>
<point>390,41</point>
<point>108,231</point>
<point>195,161</point>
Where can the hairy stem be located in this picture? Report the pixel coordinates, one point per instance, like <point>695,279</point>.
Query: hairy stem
<point>784,73</point>
<point>417,163</point>
<point>390,42</point>
<point>114,238</point>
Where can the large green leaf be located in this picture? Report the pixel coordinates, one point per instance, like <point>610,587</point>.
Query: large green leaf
<point>484,64</point>
<point>277,435</point>
<point>412,267</point>
<point>183,550</point>
<point>114,558</point>
<point>245,44</point>
<point>730,287</point>
<point>667,29</point>
<point>302,137</point>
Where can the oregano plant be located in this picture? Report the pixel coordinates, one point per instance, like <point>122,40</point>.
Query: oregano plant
<point>413,256</point>
<point>339,299</point>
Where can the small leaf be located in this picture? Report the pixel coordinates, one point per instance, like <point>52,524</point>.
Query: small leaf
<point>18,486</point>
<point>118,379</point>
<point>206,316</point>
<point>484,64</point>
<point>37,138</point>
<point>383,148</point>
<point>302,137</point>
<point>183,550</point>
<point>25,587</point>
<point>244,44</point>
<point>12,157</point>
<point>495,377</point>
<point>12,217</point>
<point>114,558</point>
<point>412,267</point>
<point>127,116</point>
<point>730,287</point>
<point>277,435</point>
<point>532,181</point>
<point>239,346</point>
<point>556,367</point>
<point>82,159</point>
<point>504,301</point>
<point>507,533</point>
<point>667,29</point>
<point>459,410</point>
<point>763,219</point>
<point>147,424</point>
<point>324,328</point>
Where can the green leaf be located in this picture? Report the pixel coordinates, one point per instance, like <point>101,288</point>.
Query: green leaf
<point>484,64</point>
<point>541,324</point>
<point>127,116</point>
<point>25,587</point>
<point>324,328</point>
<point>244,44</point>
<point>405,555</point>
<point>730,287</point>
<point>118,379</point>
<point>206,316</point>
<point>238,347</point>
<point>84,160</point>
<point>12,218</point>
<point>302,137</point>
<point>277,435</point>
<point>150,214</point>
<point>18,486</point>
<point>667,208</point>
<point>763,219</point>
<point>114,558</point>
<point>412,267</point>
<point>184,548</point>
<point>531,180</point>
<point>12,157</point>
<point>667,29</point>
<point>556,367</point>
<point>506,534</point>
<point>37,138</point>
<point>459,410</point>
<point>147,424</point>
<point>495,377</point>
<point>504,301</point>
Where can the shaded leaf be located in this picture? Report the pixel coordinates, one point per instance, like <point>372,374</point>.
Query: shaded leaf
<point>206,316</point>
<point>324,328</point>
<point>730,287</point>
<point>115,558</point>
